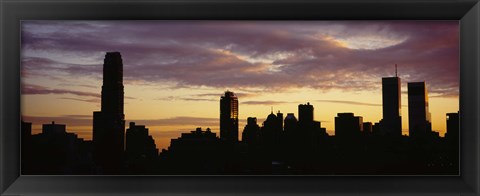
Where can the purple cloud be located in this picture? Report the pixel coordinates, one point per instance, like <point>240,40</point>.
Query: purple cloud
<point>94,100</point>
<point>68,120</point>
<point>268,56</point>
<point>31,89</point>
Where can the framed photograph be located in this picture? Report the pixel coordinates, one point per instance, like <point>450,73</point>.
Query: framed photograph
<point>240,97</point>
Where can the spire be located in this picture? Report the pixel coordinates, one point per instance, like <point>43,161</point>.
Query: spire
<point>272,110</point>
<point>396,75</point>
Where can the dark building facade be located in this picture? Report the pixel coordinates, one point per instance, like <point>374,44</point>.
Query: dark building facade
<point>306,124</point>
<point>109,123</point>
<point>348,126</point>
<point>452,137</point>
<point>197,152</point>
<point>290,124</point>
<point>139,145</point>
<point>26,150</point>
<point>229,117</point>
<point>391,124</point>
<point>453,127</point>
<point>419,123</point>
<point>376,129</point>
<point>309,133</point>
<point>251,133</point>
<point>53,129</point>
<point>367,128</point>
<point>271,131</point>
<point>193,140</point>
<point>305,113</point>
<point>55,151</point>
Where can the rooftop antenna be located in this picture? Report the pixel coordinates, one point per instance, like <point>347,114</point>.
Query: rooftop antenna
<point>396,75</point>
<point>272,109</point>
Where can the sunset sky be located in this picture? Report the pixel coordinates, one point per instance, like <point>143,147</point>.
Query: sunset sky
<point>176,71</point>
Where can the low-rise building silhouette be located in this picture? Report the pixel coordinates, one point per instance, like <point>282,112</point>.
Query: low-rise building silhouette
<point>251,132</point>
<point>197,152</point>
<point>55,151</point>
<point>367,128</point>
<point>291,125</point>
<point>53,129</point>
<point>348,126</point>
<point>140,149</point>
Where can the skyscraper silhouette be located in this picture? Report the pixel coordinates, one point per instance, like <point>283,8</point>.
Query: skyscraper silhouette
<point>109,123</point>
<point>305,113</point>
<point>229,117</point>
<point>419,123</point>
<point>391,124</point>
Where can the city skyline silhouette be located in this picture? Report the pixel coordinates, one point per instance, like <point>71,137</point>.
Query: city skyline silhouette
<point>278,146</point>
<point>283,65</point>
<point>175,86</point>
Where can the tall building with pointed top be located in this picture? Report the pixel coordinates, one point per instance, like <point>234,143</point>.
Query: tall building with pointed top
<point>419,122</point>
<point>109,123</point>
<point>229,117</point>
<point>271,131</point>
<point>391,124</point>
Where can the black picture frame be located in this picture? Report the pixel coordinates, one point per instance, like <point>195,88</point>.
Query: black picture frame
<point>12,12</point>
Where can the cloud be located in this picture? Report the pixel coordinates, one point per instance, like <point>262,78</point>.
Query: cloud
<point>265,102</point>
<point>218,95</point>
<point>77,116</point>
<point>268,56</point>
<point>94,100</point>
<point>178,98</point>
<point>69,120</point>
<point>350,102</point>
<point>42,66</point>
<point>31,89</point>
<point>80,85</point>
<point>210,97</point>
<point>353,103</point>
<point>179,120</point>
<point>198,99</point>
